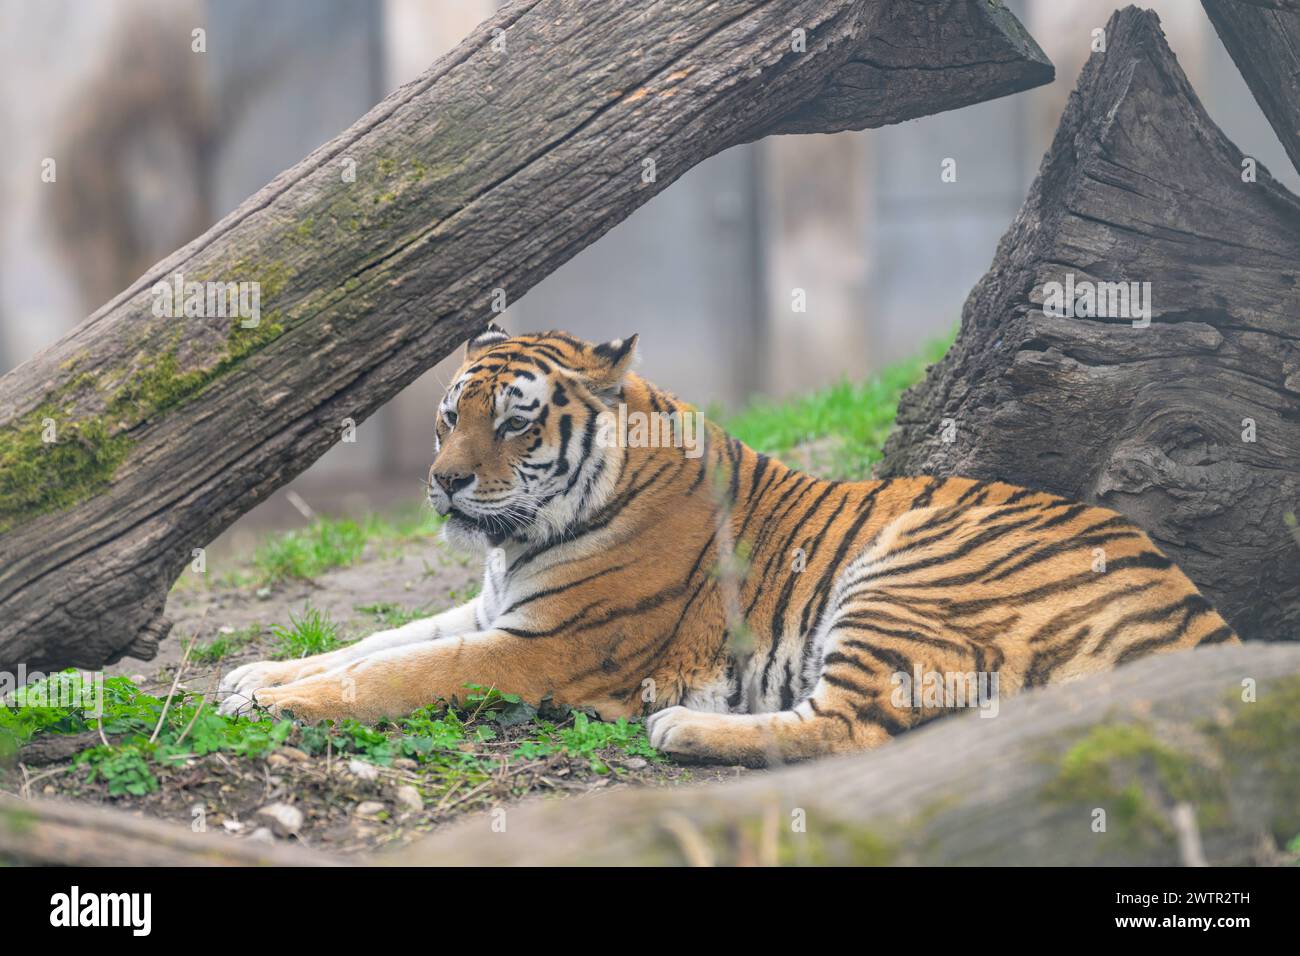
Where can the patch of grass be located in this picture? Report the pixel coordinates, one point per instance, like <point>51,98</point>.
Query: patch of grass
<point>325,544</point>
<point>853,418</point>
<point>585,738</point>
<point>456,746</point>
<point>128,765</point>
<point>390,614</point>
<point>124,768</point>
<point>468,593</point>
<point>26,714</point>
<point>448,739</point>
<point>311,633</point>
<point>227,642</point>
<point>329,543</point>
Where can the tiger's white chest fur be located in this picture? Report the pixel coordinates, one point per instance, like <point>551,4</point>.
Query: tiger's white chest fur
<point>494,597</point>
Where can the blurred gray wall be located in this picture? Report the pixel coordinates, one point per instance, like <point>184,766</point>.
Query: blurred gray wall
<point>883,250</point>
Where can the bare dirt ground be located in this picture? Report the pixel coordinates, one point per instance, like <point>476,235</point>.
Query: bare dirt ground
<point>336,802</point>
<point>425,575</point>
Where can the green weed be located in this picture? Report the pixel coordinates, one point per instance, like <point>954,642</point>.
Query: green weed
<point>225,644</point>
<point>309,634</point>
<point>329,543</point>
<point>853,418</point>
<point>585,737</point>
<point>457,747</point>
<point>127,765</point>
<point>392,615</point>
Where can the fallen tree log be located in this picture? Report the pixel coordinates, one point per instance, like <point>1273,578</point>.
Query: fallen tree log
<point>142,434</point>
<point>62,833</point>
<point>1263,39</point>
<point>1142,744</point>
<point>1185,418</point>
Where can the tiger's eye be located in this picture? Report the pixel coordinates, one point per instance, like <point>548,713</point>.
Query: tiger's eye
<point>449,417</point>
<point>516,422</point>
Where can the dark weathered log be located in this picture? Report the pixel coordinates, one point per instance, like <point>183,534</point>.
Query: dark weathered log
<point>1145,744</point>
<point>1263,38</point>
<point>916,54</point>
<point>58,833</point>
<point>547,126</point>
<point>1191,425</point>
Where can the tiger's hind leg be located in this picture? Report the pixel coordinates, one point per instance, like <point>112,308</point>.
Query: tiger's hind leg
<point>857,702</point>
<point>869,646</point>
<point>954,608</point>
<point>822,724</point>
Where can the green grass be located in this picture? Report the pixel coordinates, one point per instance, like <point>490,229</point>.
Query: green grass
<point>325,544</point>
<point>391,615</point>
<point>225,644</point>
<point>585,737</point>
<point>455,745</point>
<point>127,766</point>
<point>329,543</point>
<point>853,417</point>
<point>311,633</point>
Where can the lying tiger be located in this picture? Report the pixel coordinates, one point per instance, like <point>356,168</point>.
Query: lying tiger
<point>751,611</point>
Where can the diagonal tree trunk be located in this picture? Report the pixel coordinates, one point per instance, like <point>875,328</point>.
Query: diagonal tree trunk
<point>1263,38</point>
<point>139,437</point>
<point>1190,424</point>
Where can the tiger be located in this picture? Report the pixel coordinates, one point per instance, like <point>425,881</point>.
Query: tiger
<point>749,612</point>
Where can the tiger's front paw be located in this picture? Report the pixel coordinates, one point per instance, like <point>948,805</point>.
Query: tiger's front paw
<point>678,731</point>
<point>239,704</point>
<point>250,677</point>
<point>705,736</point>
<point>307,700</point>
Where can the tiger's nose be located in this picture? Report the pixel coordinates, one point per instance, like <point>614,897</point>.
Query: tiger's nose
<point>452,483</point>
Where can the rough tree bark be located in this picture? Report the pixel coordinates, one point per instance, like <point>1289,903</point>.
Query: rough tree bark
<point>1190,426</point>
<point>1263,38</point>
<point>516,150</point>
<point>1174,730</point>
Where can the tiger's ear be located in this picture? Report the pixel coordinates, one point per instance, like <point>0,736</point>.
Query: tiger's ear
<point>610,363</point>
<point>484,341</point>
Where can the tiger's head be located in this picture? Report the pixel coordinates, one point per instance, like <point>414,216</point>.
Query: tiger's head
<point>516,450</point>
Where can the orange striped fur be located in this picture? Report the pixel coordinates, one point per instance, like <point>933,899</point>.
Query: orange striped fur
<point>751,611</point>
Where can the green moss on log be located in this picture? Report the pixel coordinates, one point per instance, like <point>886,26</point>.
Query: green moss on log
<point>37,475</point>
<point>771,839</point>
<point>1124,769</point>
<point>46,468</point>
<point>1263,739</point>
<point>840,843</point>
<point>19,820</point>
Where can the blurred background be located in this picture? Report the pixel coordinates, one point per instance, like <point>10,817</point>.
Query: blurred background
<point>155,142</point>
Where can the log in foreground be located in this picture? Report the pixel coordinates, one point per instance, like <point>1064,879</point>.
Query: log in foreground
<point>1263,39</point>
<point>1181,765</point>
<point>62,833</point>
<point>1187,421</point>
<point>141,436</point>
